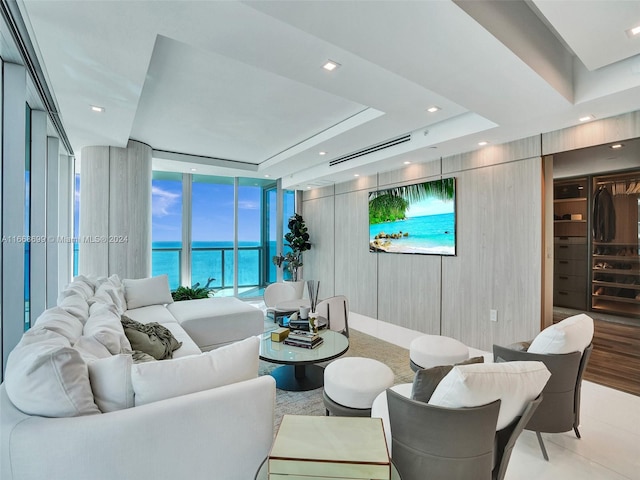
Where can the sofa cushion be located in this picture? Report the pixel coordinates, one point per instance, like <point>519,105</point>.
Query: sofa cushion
<point>151,338</point>
<point>109,293</point>
<point>426,380</point>
<point>91,349</point>
<point>46,377</point>
<point>80,285</point>
<point>147,291</point>
<point>60,321</point>
<point>514,383</point>
<point>76,305</point>
<point>104,325</point>
<point>188,347</point>
<point>111,382</point>
<point>233,363</point>
<point>572,334</point>
<point>212,322</point>
<point>152,313</point>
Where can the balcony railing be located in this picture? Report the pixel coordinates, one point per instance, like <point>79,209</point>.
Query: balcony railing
<point>212,262</point>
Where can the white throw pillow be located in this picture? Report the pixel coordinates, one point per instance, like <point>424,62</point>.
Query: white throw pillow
<point>105,326</point>
<point>82,285</point>
<point>46,377</point>
<point>143,292</point>
<point>91,348</point>
<point>233,363</point>
<point>514,383</point>
<point>572,334</point>
<point>110,294</point>
<point>60,321</point>
<point>111,382</point>
<point>76,305</point>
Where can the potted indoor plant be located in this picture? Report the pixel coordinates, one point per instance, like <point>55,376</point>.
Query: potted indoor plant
<point>298,241</point>
<point>193,293</point>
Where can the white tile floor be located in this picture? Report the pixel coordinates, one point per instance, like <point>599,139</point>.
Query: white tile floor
<point>609,447</point>
<point>609,426</point>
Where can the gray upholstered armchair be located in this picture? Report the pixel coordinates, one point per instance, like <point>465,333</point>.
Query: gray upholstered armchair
<point>560,408</point>
<point>442,443</point>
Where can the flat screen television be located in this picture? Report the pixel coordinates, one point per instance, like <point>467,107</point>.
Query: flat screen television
<point>417,219</point>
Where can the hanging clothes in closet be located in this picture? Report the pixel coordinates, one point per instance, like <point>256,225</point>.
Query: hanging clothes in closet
<point>604,216</point>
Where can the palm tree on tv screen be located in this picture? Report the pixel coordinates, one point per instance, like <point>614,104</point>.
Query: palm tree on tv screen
<point>391,204</point>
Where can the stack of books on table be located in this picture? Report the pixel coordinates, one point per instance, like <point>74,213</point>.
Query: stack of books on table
<point>299,338</point>
<point>324,448</point>
<point>298,324</point>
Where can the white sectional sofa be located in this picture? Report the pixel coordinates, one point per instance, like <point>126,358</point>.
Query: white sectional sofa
<point>75,406</point>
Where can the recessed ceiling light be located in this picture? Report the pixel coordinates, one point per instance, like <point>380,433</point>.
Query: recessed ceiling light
<point>95,108</point>
<point>330,65</point>
<point>617,145</point>
<point>634,31</point>
<point>308,187</point>
<point>483,143</point>
<point>586,118</point>
<point>193,169</point>
<point>322,153</point>
<point>356,174</point>
<point>267,176</point>
<point>407,163</point>
<point>433,109</point>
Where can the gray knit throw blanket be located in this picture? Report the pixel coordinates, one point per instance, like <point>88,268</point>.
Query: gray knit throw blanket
<point>163,333</point>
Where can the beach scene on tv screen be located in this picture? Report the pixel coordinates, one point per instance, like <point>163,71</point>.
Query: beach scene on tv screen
<point>418,218</point>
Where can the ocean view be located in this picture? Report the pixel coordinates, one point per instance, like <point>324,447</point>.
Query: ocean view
<point>208,260</point>
<point>431,234</point>
<point>213,259</point>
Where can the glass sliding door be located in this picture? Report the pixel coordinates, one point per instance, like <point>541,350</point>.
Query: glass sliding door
<point>216,236</point>
<point>212,232</point>
<point>250,243</point>
<point>166,225</point>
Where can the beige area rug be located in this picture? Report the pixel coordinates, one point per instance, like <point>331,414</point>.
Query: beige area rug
<point>360,345</point>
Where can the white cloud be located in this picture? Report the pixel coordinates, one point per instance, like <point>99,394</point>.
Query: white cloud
<point>248,205</point>
<point>162,201</point>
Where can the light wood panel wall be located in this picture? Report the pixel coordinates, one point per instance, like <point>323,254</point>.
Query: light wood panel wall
<point>115,206</point>
<point>319,215</point>
<point>499,256</point>
<point>93,258</point>
<point>596,132</point>
<point>355,266</point>
<point>498,262</point>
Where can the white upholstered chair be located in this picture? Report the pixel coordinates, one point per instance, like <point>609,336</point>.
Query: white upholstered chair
<point>276,293</point>
<point>336,311</point>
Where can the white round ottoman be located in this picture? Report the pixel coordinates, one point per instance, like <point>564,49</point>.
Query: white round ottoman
<point>432,350</point>
<point>352,383</point>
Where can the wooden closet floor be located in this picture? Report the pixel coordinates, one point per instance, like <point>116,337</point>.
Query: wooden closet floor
<point>615,360</point>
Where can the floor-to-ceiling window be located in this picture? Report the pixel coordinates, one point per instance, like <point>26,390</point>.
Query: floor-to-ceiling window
<point>166,232</point>
<point>250,225</point>
<point>212,231</point>
<point>27,217</point>
<point>227,217</point>
<point>272,228</point>
<point>76,215</point>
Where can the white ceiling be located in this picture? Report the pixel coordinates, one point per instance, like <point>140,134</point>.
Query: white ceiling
<point>237,88</point>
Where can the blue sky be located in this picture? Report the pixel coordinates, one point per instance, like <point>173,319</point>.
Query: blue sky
<point>430,206</point>
<point>212,212</point>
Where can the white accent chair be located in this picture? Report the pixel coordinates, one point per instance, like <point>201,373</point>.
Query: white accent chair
<point>276,293</point>
<point>336,311</point>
